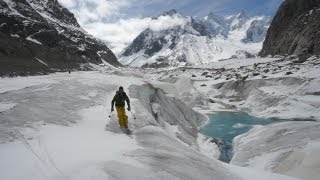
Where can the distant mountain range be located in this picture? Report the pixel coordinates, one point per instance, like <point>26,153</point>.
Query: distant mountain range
<point>42,36</point>
<point>197,40</point>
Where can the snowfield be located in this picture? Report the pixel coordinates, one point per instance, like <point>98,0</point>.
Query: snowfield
<point>57,126</point>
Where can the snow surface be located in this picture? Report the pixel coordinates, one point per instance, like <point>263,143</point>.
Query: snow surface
<point>287,148</point>
<point>12,84</point>
<point>65,152</point>
<point>261,87</point>
<point>59,129</point>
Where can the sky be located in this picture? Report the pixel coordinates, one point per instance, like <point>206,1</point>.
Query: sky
<point>118,22</point>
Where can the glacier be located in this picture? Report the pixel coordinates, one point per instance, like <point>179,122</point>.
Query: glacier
<point>57,127</point>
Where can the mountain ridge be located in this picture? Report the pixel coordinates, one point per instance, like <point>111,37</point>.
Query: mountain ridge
<point>197,41</point>
<point>32,32</point>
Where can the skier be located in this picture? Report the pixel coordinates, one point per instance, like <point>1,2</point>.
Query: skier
<point>119,100</point>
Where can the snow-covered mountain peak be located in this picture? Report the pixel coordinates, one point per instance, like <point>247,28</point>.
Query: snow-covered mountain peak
<point>242,15</point>
<point>239,20</point>
<point>215,25</point>
<point>189,40</point>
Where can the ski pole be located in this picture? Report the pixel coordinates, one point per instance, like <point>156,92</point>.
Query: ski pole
<point>133,115</point>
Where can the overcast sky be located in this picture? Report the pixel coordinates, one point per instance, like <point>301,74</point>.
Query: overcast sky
<point>118,22</point>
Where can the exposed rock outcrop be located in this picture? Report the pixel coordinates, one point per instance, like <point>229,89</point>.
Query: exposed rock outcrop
<point>294,29</point>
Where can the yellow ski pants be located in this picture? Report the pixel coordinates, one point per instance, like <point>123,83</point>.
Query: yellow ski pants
<point>122,117</point>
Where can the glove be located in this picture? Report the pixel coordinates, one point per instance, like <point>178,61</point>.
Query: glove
<point>112,109</point>
<point>128,109</point>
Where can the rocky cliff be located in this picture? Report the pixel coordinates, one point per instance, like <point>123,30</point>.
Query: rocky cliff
<point>294,29</point>
<point>38,37</point>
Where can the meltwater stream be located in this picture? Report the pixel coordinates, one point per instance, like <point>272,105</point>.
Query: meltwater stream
<point>227,125</point>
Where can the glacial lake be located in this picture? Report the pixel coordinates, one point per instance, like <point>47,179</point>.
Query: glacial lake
<point>227,125</point>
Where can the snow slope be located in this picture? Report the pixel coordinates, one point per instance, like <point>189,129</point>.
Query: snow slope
<point>57,130</point>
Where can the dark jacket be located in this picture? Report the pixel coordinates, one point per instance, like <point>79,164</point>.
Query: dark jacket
<point>120,98</point>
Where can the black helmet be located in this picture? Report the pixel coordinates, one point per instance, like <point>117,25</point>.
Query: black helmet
<point>120,88</point>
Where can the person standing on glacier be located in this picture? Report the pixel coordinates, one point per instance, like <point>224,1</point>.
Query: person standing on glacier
<point>119,100</point>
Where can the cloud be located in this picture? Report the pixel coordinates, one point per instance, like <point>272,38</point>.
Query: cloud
<point>88,11</point>
<point>120,34</point>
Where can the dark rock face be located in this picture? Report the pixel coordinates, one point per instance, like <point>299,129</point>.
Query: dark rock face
<point>199,26</point>
<point>152,42</point>
<point>294,29</point>
<point>42,36</point>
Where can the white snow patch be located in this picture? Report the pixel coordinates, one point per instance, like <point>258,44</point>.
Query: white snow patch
<point>2,24</point>
<point>33,40</point>
<point>15,35</point>
<point>107,64</point>
<point>41,61</point>
<point>82,47</point>
<point>310,12</point>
